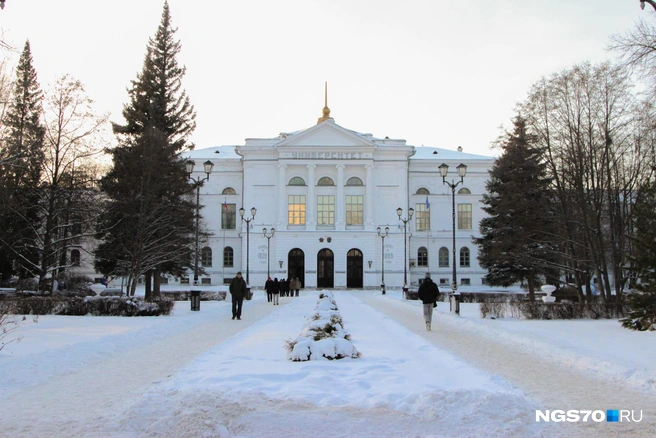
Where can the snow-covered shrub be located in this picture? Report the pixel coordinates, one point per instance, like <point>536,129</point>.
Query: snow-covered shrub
<point>323,336</point>
<point>8,324</point>
<point>493,308</point>
<point>97,306</point>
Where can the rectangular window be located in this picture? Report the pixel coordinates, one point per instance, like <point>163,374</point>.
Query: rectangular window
<point>464,216</point>
<point>228,257</point>
<point>326,210</point>
<point>228,216</point>
<point>444,258</point>
<point>205,281</point>
<point>465,282</point>
<point>354,209</point>
<point>422,257</point>
<point>464,258</point>
<point>444,281</point>
<point>422,217</point>
<point>184,280</point>
<point>296,209</point>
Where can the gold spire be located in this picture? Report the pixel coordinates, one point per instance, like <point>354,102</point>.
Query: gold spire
<point>326,110</point>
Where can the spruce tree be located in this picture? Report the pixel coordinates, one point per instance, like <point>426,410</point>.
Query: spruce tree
<point>22,157</point>
<point>516,237</point>
<point>148,224</point>
<point>641,302</point>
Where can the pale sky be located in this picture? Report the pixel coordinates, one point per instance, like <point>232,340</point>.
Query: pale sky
<point>434,72</point>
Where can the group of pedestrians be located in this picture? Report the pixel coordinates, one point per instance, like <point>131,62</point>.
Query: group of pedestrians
<point>285,287</point>
<point>428,294</point>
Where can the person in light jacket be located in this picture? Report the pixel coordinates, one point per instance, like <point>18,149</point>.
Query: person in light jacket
<point>428,293</point>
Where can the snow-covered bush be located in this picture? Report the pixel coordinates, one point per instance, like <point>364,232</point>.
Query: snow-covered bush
<point>323,335</point>
<point>8,323</point>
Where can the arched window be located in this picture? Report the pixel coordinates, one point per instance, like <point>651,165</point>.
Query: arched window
<point>464,191</point>
<point>444,257</point>
<point>206,257</point>
<point>228,191</point>
<point>423,191</point>
<point>75,257</point>
<point>464,257</point>
<point>325,181</point>
<point>422,257</point>
<point>354,181</point>
<point>228,257</point>
<point>297,181</point>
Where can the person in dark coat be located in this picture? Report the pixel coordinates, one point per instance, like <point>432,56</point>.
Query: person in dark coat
<point>275,291</point>
<point>268,287</point>
<point>428,293</point>
<point>238,291</point>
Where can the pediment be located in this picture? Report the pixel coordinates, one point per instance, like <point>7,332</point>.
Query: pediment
<point>325,134</point>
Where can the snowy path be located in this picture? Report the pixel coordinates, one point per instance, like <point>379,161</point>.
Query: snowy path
<point>202,374</point>
<point>552,385</point>
<point>104,386</point>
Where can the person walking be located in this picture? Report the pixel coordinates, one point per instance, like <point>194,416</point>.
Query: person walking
<point>238,291</point>
<point>275,290</point>
<point>268,287</point>
<point>297,285</point>
<point>428,293</point>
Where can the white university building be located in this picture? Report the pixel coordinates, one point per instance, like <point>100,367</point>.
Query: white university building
<point>326,190</point>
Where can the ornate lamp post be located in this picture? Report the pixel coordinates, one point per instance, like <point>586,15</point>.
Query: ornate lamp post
<point>399,211</point>
<point>268,237</point>
<point>382,257</point>
<point>462,171</point>
<point>652,3</point>
<point>197,184</point>
<point>248,221</point>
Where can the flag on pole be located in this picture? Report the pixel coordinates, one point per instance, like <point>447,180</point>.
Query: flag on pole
<point>427,203</point>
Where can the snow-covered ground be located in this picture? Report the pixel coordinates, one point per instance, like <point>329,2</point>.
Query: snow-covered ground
<point>202,374</point>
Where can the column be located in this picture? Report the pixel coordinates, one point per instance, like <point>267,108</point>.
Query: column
<point>311,202</point>
<point>340,202</point>
<point>282,199</point>
<point>369,197</point>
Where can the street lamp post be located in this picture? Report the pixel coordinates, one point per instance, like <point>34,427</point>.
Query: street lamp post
<point>462,171</point>
<point>652,3</point>
<point>248,221</point>
<point>197,183</point>
<point>399,211</point>
<point>382,257</point>
<point>268,237</point>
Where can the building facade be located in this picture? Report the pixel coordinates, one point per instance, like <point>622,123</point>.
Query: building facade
<point>326,190</point>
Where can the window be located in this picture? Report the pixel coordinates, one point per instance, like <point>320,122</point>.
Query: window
<point>75,257</point>
<point>464,216</point>
<point>326,209</point>
<point>422,257</point>
<point>354,181</point>
<point>464,257</point>
<point>229,216</point>
<point>297,181</point>
<point>444,281</point>
<point>206,281</point>
<point>354,209</point>
<point>228,257</point>
<point>296,209</point>
<point>228,191</point>
<point>422,217</point>
<point>444,257</point>
<point>184,280</point>
<point>325,181</point>
<point>465,282</point>
<point>423,191</point>
<point>464,191</point>
<point>206,257</point>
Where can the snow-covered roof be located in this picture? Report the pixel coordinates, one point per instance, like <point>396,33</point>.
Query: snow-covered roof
<point>432,153</point>
<point>220,152</point>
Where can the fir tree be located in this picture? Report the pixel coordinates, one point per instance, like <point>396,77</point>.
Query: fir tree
<point>148,224</point>
<point>516,236</point>
<point>641,302</point>
<point>22,156</point>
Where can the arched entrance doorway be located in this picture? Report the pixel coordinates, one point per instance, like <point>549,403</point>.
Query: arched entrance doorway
<point>354,269</point>
<point>296,265</point>
<point>325,268</point>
